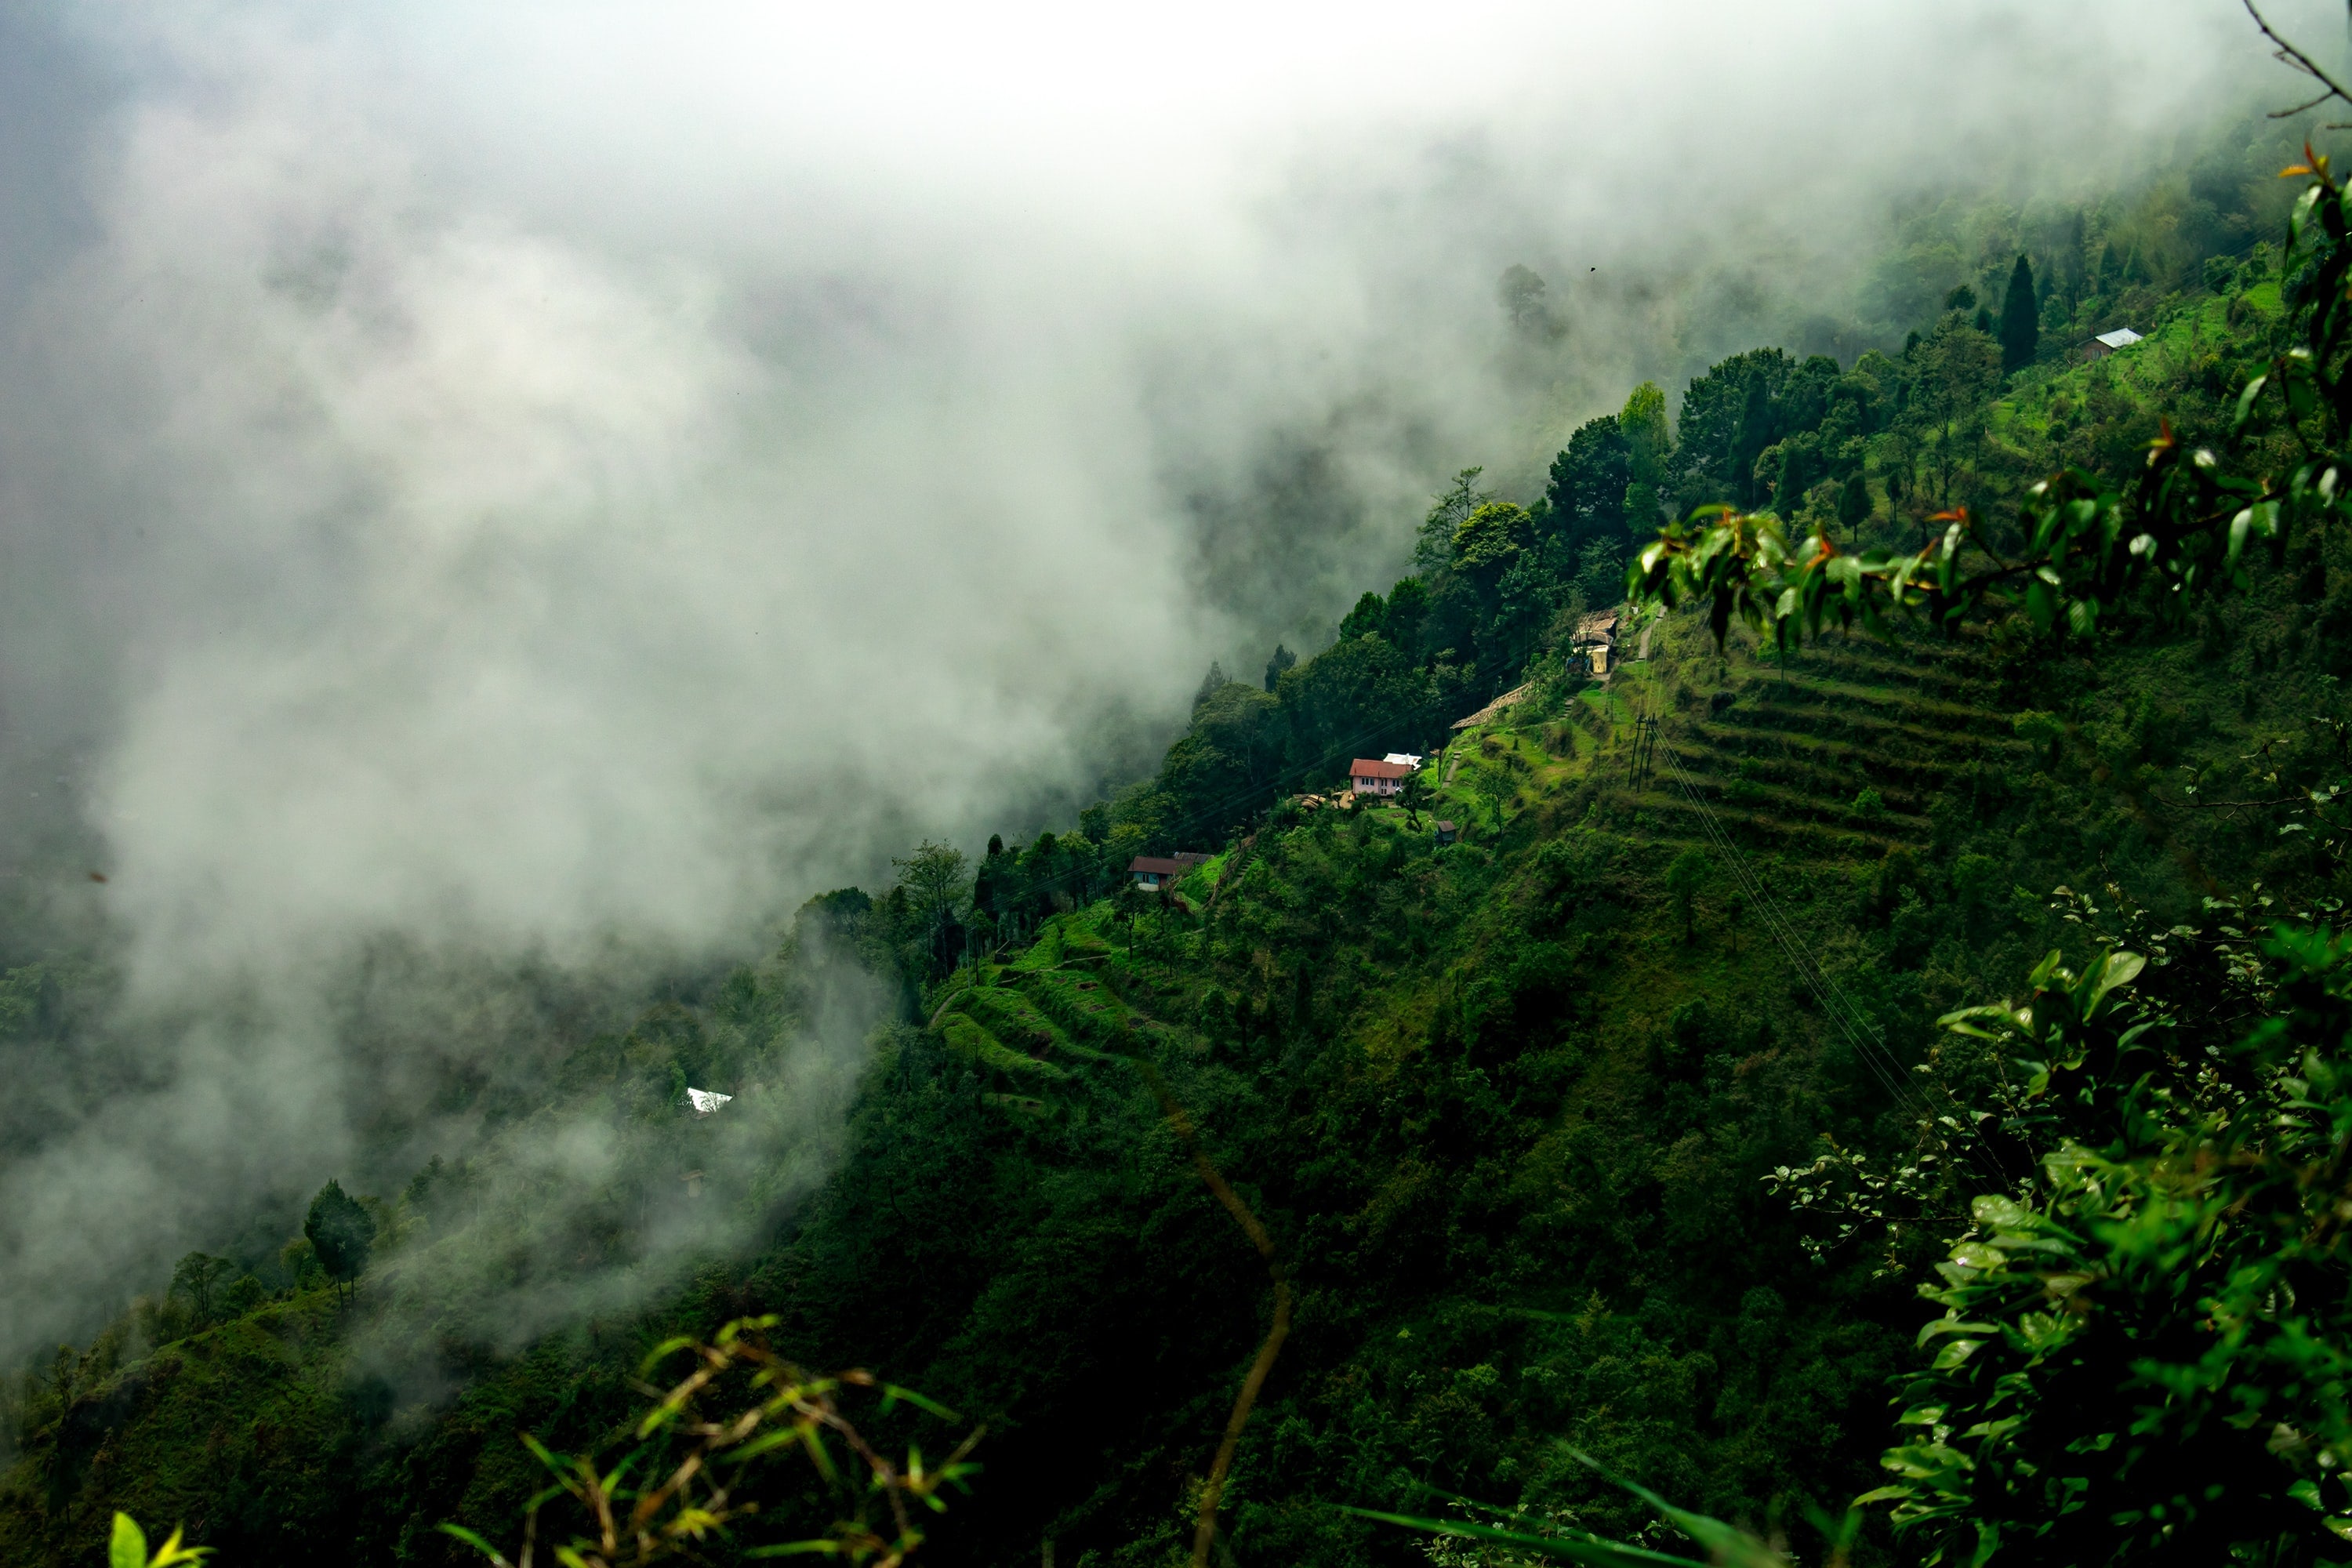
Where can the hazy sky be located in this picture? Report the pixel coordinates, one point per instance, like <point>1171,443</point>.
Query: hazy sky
<point>547,479</point>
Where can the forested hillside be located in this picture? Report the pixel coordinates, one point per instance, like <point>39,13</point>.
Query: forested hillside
<point>1606,1128</point>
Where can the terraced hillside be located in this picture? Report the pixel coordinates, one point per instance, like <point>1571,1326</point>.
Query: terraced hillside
<point>1790,757</point>
<point>1052,1019</point>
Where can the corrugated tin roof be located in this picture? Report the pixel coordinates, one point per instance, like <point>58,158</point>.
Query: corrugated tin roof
<point>2122,337</point>
<point>1174,865</point>
<point>705,1102</point>
<point>1409,759</point>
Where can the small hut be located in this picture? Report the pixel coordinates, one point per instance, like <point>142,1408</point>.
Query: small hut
<point>1156,871</point>
<point>1595,639</point>
<point>2106,343</point>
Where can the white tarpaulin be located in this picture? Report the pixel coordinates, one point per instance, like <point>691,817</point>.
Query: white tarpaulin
<point>705,1102</point>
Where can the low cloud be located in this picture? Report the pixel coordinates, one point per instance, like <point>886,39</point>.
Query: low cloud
<point>544,490</point>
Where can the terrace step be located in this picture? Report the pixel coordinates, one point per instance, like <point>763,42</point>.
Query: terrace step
<point>1860,724</point>
<point>1870,839</point>
<point>1815,692</point>
<point>1816,790</point>
<point>1832,766</point>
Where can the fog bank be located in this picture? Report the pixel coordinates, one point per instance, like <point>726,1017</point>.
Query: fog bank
<point>557,485</point>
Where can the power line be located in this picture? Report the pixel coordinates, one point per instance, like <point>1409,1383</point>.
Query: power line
<point>1861,1031</point>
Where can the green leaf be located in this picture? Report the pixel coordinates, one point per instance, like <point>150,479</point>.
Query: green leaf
<point>1726,1543</point>
<point>128,1548</point>
<point>797,1549</point>
<point>892,1394</point>
<point>2121,969</point>
<point>662,1352</point>
<point>2246,400</point>
<point>760,1445</point>
<point>819,1454</point>
<point>1592,1551</point>
<point>1952,1354</point>
<point>1952,1324</point>
<point>1999,1213</point>
<point>460,1533</point>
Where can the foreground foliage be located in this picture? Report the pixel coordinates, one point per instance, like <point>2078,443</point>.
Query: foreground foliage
<point>689,1477</point>
<point>2143,1352</point>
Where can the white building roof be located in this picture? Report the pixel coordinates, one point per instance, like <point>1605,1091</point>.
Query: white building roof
<point>2122,337</point>
<point>1407,758</point>
<point>705,1101</point>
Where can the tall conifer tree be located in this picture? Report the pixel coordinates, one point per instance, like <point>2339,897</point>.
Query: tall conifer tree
<point>2021,320</point>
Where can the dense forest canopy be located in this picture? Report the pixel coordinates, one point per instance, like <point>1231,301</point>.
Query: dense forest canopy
<point>1875,831</point>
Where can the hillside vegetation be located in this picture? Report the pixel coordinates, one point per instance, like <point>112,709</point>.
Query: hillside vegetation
<point>1545,1125</point>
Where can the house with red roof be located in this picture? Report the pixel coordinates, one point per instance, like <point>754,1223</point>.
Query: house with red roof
<point>1369,775</point>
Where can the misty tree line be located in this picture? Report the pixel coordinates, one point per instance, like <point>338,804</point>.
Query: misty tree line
<point>1869,450</point>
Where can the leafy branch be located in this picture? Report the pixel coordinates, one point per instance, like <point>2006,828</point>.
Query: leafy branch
<point>126,1548</point>
<point>1725,1545</point>
<point>2288,55</point>
<point>775,1408</point>
<point>2081,547</point>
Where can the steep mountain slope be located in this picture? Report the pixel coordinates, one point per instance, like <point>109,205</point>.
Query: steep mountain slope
<point>1505,1106</point>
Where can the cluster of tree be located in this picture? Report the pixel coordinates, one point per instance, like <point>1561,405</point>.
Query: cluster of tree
<point>2096,264</point>
<point>1868,452</point>
<point>338,1239</point>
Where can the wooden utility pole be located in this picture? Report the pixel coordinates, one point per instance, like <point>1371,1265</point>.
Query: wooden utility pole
<point>1645,752</point>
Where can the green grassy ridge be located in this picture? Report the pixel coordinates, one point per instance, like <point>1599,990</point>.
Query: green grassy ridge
<point>2182,333</point>
<point>261,1403</point>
